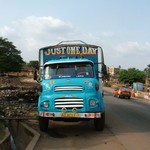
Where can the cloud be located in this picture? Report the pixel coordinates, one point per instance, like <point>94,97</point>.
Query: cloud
<point>132,48</point>
<point>107,34</point>
<point>5,31</point>
<point>32,33</point>
<point>44,25</point>
<point>130,54</point>
<point>126,48</point>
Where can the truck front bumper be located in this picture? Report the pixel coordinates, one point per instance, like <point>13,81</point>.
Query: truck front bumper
<point>69,115</point>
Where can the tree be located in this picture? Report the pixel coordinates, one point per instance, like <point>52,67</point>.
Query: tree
<point>10,59</point>
<point>147,71</point>
<point>131,75</point>
<point>33,64</point>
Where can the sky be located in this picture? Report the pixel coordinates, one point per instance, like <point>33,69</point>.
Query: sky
<point>120,27</point>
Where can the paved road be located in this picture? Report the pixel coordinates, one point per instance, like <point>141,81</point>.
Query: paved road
<point>127,128</point>
<point>129,120</point>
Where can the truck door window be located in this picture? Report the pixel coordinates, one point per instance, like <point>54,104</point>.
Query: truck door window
<point>85,69</point>
<point>50,71</point>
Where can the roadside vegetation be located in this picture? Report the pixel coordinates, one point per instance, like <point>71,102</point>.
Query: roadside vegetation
<point>131,75</point>
<point>10,58</point>
<point>128,76</point>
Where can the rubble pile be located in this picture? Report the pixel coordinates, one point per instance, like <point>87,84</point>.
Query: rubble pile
<point>18,100</point>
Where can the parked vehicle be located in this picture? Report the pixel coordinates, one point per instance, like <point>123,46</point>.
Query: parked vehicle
<point>71,83</point>
<point>122,93</point>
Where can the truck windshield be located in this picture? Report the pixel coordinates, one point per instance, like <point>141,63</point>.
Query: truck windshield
<point>72,70</point>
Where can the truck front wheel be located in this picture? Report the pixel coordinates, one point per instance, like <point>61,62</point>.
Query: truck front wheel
<point>43,123</point>
<point>100,122</point>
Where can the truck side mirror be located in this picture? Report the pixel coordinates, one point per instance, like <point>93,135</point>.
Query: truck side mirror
<point>35,74</point>
<point>104,70</point>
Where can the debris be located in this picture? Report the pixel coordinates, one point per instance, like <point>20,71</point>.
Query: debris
<point>18,99</point>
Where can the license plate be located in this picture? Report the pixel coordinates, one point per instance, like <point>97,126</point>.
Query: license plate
<point>70,115</point>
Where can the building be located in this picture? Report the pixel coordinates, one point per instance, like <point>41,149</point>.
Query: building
<point>111,70</point>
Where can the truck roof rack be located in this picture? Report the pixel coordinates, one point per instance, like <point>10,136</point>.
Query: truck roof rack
<point>72,42</point>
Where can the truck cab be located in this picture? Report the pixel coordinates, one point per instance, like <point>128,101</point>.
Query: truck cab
<point>71,87</point>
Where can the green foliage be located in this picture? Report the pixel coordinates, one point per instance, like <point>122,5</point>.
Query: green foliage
<point>33,64</point>
<point>106,84</point>
<point>131,75</point>
<point>10,59</point>
<point>147,71</point>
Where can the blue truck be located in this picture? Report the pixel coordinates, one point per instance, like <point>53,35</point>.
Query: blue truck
<point>71,75</point>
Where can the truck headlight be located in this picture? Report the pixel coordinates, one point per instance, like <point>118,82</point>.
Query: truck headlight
<point>92,102</point>
<point>46,104</point>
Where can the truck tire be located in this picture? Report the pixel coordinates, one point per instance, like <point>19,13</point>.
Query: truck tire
<point>100,122</point>
<point>43,123</point>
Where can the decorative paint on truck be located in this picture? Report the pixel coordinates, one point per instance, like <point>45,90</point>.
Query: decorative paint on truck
<point>71,88</point>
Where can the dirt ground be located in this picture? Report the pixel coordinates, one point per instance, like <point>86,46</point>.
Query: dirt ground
<point>18,96</point>
<point>12,88</point>
<point>16,81</point>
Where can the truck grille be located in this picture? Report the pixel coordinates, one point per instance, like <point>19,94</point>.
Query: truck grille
<point>68,88</point>
<point>68,103</point>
